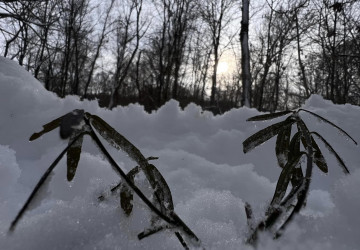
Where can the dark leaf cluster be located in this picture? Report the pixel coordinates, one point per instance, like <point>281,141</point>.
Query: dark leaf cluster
<point>290,149</point>
<point>73,127</point>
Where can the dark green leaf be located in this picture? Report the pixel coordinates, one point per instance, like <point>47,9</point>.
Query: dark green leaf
<point>329,122</point>
<point>297,176</point>
<point>294,151</point>
<point>161,189</point>
<point>282,146</point>
<point>117,140</point>
<point>47,128</point>
<point>304,131</point>
<point>330,148</point>
<point>162,193</point>
<point>265,134</point>
<point>73,155</point>
<point>284,180</point>
<point>249,216</point>
<point>317,157</point>
<point>126,194</point>
<point>294,147</point>
<point>269,116</point>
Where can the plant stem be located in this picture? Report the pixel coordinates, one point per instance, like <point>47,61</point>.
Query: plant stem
<point>41,182</point>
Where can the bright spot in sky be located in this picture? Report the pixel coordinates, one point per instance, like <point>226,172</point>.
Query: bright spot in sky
<point>222,67</point>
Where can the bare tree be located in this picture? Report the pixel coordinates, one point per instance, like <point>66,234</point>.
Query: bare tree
<point>101,40</point>
<point>125,36</point>
<point>245,54</point>
<point>216,15</point>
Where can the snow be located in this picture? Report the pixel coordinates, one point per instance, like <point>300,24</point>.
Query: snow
<point>201,158</point>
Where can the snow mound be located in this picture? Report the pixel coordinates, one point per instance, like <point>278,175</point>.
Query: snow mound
<point>200,156</point>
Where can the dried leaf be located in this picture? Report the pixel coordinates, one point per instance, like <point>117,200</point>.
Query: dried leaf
<point>265,134</point>
<point>269,116</point>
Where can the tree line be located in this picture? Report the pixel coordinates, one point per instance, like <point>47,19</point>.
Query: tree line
<point>149,51</point>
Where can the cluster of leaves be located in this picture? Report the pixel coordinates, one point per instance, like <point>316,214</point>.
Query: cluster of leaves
<point>74,126</point>
<point>284,206</point>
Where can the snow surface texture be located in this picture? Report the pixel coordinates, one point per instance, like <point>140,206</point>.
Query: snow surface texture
<point>200,156</point>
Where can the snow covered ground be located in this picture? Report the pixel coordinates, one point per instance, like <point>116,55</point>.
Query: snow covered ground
<point>201,158</point>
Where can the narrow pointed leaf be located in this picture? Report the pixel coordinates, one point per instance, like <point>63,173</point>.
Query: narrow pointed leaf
<point>269,116</point>
<point>329,122</point>
<point>73,156</point>
<point>331,150</point>
<point>284,180</point>
<point>297,175</point>
<point>317,157</point>
<point>170,217</point>
<point>249,216</point>
<point>47,128</point>
<point>265,134</point>
<point>126,194</point>
<point>282,146</point>
<point>294,147</point>
<point>116,140</point>
<point>162,191</point>
<point>304,132</point>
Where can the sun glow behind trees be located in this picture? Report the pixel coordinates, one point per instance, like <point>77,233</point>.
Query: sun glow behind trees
<point>223,68</point>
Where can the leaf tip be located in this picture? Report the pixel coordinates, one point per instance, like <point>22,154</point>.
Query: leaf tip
<point>34,136</point>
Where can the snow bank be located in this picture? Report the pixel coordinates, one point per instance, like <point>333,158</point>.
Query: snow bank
<point>200,156</point>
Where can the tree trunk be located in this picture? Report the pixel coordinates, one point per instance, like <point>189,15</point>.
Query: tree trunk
<point>245,55</point>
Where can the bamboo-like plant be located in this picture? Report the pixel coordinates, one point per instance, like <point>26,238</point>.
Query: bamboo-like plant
<point>283,207</point>
<point>74,126</point>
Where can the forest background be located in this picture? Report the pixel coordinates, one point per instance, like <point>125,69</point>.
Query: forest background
<point>151,51</point>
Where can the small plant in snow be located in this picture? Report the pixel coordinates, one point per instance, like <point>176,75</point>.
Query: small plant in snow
<point>74,126</point>
<point>283,207</point>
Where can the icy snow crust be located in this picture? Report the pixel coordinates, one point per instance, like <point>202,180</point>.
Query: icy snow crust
<point>200,156</point>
